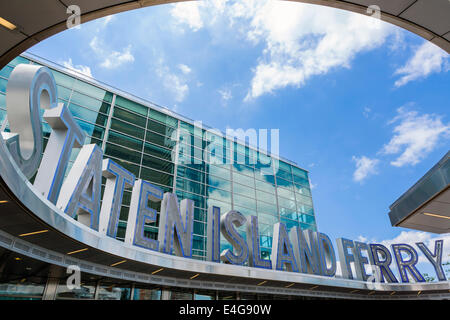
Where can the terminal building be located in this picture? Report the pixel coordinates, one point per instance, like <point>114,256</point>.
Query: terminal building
<point>42,247</point>
<point>141,137</point>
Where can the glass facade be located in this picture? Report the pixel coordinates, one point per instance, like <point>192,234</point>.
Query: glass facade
<point>206,168</point>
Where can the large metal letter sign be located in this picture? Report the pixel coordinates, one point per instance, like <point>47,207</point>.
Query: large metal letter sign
<point>360,260</point>
<point>345,256</point>
<point>66,134</point>
<point>140,213</point>
<point>282,252</point>
<point>436,258</point>
<point>327,256</point>
<point>305,246</point>
<point>172,232</point>
<point>81,191</point>
<point>213,234</point>
<point>117,179</point>
<point>382,262</point>
<point>409,265</point>
<point>29,88</point>
<point>240,249</point>
<point>254,250</point>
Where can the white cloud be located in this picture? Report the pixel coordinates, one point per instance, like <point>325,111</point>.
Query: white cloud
<point>77,69</point>
<point>111,59</point>
<point>188,13</point>
<point>364,168</point>
<point>225,94</point>
<point>414,136</point>
<point>184,68</point>
<point>427,59</point>
<point>299,40</point>
<point>172,82</point>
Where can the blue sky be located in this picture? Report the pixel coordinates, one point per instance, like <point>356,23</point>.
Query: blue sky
<point>362,104</point>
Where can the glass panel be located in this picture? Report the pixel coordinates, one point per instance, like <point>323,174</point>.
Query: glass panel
<point>266,197</point>
<point>156,177</point>
<point>244,202</point>
<point>91,103</point>
<point>267,219</point>
<point>301,181</point>
<point>265,186</point>
<point>122,153</point>
<point>157,151</point>
<point>3,84</point>
<point>267,208</point>
<point>249,171</point>
<point>300,172</point>
<point>189,155</point>
<point>244,179</point>
<point>63,93</point>
<point>180,294</point>
<point>199,214</point>
<point>21,288</point>
<point>265,177</point>
<point>190,186</point>
<point>222,171</point>
<point>63,79</point>
<point>132,106</point>
<point>224,207</point>
<point>93,91</point>
<point>2,101</point>
<point>218,194</point>
<point>286,193</point>
<point>288,213</point>
<point>124,140</point>
<point>204,295</point>
<point>146,294</point>
<point>160,140</point>
<point>112,291</point>
<point>284,183</point>
<point>88,115</point>
<point>190,174</point>
<point>303,208</point>
<point>241,189</point>
<point>2,116</point>
<point>302,190</point>
<point>6,71</point>
<point>218,182</point>
<point>284,175</point>
<point>163,118</point>
<point>306,218</point>
<point>127,128</point>
<point>160,128</point>
<point>129,117</point>
<point>199,229</point>
<point>284,166</point>
<point>90,129</point>
<point>304,200</point>
<point>283,202</point>
<point>86,291</point>
<point>158,164</point>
